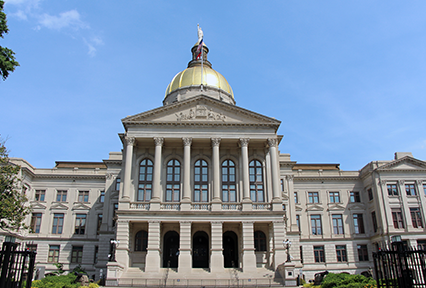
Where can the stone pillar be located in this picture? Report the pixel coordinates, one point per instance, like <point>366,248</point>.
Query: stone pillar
<point>153,250</point>
<point>420,192</point>
<point>291,211</point>
<point>279,236</point>
<point>216,205</point>
<point>156,184</point>
<point>185,257</point>
<point>249,258</point>
<point>216,251</point>
<point>122,249</point>
<point>404,207</point>
<point>276,191</point>
<point>247,203</point>
<point>128,168</point>
<point>186,195</point>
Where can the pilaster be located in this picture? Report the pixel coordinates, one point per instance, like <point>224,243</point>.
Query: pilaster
<point>153,249</point>
<point>216,251</point>
<point>185,257</point>
<point>122,248</point>
<point>249,258</point>
<point>279,237</point>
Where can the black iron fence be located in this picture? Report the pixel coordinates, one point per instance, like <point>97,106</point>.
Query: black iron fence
<point>16,266</point>
<point>400,267</point>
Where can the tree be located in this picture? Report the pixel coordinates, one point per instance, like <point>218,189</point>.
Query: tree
<point>7,58</point>
<point>12,201</point>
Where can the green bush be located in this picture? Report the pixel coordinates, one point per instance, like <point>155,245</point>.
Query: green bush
<point>63,281</point>
<point>343,280</point>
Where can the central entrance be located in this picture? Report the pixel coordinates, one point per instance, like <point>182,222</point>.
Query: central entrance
<point>230,250</point>
<point>171,250</point>
<point>200,250</point>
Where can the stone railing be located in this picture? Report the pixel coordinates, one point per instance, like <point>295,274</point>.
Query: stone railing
<point>262,206</point>
<point>170,207</point>
<point>233,207</point>
<point>139,206</point>
<point>201,207</point>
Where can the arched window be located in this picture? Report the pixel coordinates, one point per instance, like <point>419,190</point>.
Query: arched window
<point>228,181</point>
<point>256,181</point>
<point>145,180</point>
<point>259,241</point>
<point>141,240</point>
<point>201,173</point>
<point>173,181</point>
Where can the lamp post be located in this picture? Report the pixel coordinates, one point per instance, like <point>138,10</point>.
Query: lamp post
<point>114,245</point>
<point>287,245</point>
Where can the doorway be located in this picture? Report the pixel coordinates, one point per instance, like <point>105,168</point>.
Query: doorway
<point>230,250</point>
<point>171,250</point>
<point>200,250</point>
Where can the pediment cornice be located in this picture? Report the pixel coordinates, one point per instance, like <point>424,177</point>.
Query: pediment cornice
<point>80,206</point>
<point>314,207</point>
<point>335,207</point>
<point>395,166</point>
<point>58,206</point>
<point>37,205</point>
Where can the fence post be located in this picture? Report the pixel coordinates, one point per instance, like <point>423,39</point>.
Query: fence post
<point>31,268</point>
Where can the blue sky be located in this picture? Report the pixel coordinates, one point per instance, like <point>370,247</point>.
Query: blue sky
<point>346,78</point>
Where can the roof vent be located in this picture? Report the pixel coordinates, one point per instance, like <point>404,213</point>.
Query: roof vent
<point>399,155</point>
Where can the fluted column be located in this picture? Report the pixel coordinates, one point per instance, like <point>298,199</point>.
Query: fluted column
<point>186,197</point>
<point>153,249</point>
<point>156,187</point>
<point>185,259</point>
<point>273,143</point>
<point>216,175</point>
<point>291,209</point>
<point>216,251</point>
<point>128,167</point>
<point>249,258</point>
<point>247,203</point>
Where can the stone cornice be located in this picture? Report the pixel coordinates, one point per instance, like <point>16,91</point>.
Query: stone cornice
<point>70,176</point>
<point>319,178</point>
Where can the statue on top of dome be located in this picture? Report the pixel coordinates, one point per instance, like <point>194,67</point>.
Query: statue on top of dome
<point>200,33</point>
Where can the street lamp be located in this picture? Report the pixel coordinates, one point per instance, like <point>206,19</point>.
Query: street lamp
<point>287,245</point>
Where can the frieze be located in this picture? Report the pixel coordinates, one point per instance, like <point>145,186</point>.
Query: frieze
<point>200,112</point>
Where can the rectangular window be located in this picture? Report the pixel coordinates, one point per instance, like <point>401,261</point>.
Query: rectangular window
<point>370,194</point>
<point>313,197</point>
<point>33,247</point>
<point>410,189</point>
<point>334,197</point>
<point>298,221</point>
<point>355,197</point>
<point>416,218</point>
<point>95,257</point>
<point>36,222</point>
<point>53,256</point>
<point>117,184</point>
<point>114,214</point>
<point>398,221</point>
<point>421,244</point>
<point>296,198</point>
<point>362,252</point>
<point>80,224</point>
<point>341,253</point>
<point>58,223</point>
<point>359,224</point>
<point>374,219</point>
<point>282,184</point>
<point>301,254</point>
<point>83,196</point>
<point>102,197</point>
<point>392,190</point>
<point>76,254</point>
<point>337,224</point>
<point>61,196</point>
<point>316,225</point>
<point>99,223</point>
<point>39,195</point>
<point>319,254</point>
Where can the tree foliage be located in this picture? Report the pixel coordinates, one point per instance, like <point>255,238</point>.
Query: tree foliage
<point>7,56</point>
<point>344,280</point>
<point>12,200</point>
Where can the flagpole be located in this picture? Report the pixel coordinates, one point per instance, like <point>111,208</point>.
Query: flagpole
<point>202,56</point>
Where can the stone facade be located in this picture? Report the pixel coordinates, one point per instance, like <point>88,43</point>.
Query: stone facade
<point>200,191</point>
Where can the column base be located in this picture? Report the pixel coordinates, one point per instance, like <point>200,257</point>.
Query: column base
<point>216,261</point>
<point>277,206</point>
<point>249,261</point>
<point>153,258</point>
<point>154,205</point>
<point>247,205</point>
<point>217,206</point>
<point>185,206</point>
<point>185,261</point>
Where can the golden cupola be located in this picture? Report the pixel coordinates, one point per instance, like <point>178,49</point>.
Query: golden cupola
<point>187,83</point>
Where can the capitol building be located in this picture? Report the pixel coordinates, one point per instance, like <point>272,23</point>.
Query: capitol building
<point>200,192</point>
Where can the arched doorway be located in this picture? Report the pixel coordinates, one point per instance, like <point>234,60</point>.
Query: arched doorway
<point>230,249</point>
<point>200,250</point>
<point>171,249</point>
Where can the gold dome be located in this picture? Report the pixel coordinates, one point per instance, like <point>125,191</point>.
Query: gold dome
<point>191,76</point>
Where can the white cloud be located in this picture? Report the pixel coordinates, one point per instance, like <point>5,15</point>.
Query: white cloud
<point>92,43</point>
<point>66,19</point>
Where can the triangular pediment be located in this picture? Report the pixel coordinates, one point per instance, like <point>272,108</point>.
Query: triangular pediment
<point>356,206</point>
<point>314,207</point>
<point>201,109</point>
<point>80,206</point>
<point>298,208</point>
<point>58,206</point>
<point>405,163</point>
<point>37,205</point>
<point>335,207</point>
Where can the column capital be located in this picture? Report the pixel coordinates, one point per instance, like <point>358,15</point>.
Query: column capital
<point>217,222</point>
<point>215,141</point>
<point>130,140</point>
<point>187,141</point>
<point>381,182</point>
<point>244,142</point>
<point>272,142</point>
<point>289,177</point>
<point>154,222</point>
<point>247,222</point>
<point>419,182</point>
<point>158,141</point>
<point>401,182</point>
<point>185,222</point>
